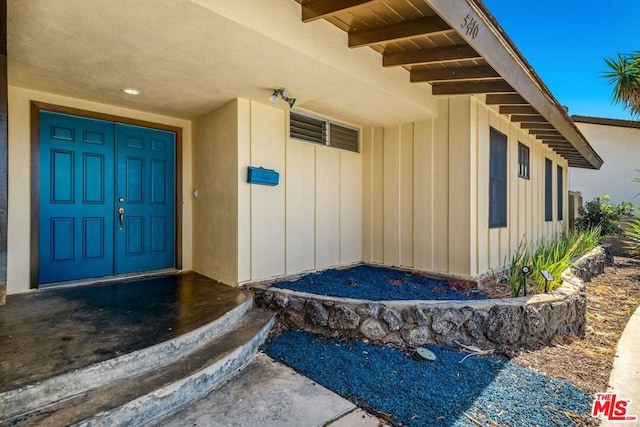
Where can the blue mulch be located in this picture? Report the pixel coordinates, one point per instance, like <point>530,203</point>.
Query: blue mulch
<point>419,393</point>
<point>377,284</point>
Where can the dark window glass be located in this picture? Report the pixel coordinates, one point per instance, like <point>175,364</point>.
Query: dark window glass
<point>523,161</point>
<point>560,193</point>
<point>548,190</point>
<point>497,179</point>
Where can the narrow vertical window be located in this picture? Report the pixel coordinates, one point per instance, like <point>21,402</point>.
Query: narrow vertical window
<point>497,179</point>
<point>548,190</point>
<point>523,161</point>
<point>560,193</point>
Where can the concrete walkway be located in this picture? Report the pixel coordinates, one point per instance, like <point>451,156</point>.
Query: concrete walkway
<point>267,393</point>
<point>625,376</point>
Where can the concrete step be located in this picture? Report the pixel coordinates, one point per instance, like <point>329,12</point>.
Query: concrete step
<point>149,383</point>
<point>46,392</point>
<point>267,394</point>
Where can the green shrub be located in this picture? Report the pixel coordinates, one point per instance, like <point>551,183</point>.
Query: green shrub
<point>600,213</point>
<point>553,256</point>
<point>632,237</point>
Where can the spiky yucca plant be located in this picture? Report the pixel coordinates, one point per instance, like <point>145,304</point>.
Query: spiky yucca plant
<point>624,75</point>
<point>553,256</point>
<point>632,237</point>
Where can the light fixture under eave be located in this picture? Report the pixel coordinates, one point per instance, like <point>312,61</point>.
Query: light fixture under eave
<point>284,94</point>
<point>131,91</point>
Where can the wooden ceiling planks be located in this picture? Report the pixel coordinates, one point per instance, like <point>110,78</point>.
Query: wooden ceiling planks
<point>471,87</point>
<point>409,34</point>
<point>426,56</point>
<point>398,32</point>
<point>453,74</point>
<point>319,9</point>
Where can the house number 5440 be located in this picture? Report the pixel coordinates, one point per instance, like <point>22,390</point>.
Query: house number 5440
<point>470,26</point>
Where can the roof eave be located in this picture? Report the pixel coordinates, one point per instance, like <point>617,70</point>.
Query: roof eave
<point>498,50</point>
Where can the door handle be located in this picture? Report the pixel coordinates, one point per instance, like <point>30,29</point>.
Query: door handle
<point>121,213</point>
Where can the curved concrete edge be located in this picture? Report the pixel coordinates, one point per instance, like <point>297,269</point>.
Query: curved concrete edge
<point>43,393</point>
<point>173,396</point>
<point>478,322</point>
<point>625,375</point>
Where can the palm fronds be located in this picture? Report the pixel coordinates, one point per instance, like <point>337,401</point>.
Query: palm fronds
<point>624,75</point>
<point>632,237</point>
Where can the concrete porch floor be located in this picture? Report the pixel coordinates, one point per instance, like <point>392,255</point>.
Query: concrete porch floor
<point>50,332</point>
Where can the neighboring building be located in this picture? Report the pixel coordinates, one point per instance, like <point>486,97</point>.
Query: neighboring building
<point>618,143</point>
<point>420,138</point>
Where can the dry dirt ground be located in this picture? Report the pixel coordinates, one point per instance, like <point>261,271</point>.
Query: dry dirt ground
<point>586,361</point>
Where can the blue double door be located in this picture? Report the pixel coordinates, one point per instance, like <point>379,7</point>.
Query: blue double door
<point>107,198</point>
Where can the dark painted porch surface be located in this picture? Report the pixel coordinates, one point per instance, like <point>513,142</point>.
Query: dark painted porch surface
<point>47,333</point>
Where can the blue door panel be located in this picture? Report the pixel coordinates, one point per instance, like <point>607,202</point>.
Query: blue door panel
<point>86,167</point>
<point>63,239</point>
<point>76,175</point>
<point>145,161</point>
<point>94,238</point>
<point>159,242</point>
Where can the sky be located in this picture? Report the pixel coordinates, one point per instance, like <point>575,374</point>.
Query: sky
<point>566,41</point>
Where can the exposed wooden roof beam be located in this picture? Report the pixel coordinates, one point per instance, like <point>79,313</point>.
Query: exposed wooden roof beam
<point>557,144</point>
<point>506,99</point>
<point>518,109</point>
<point>324,8</point>
<point>544,132</point>
<point>429,56</point>
<point>535,126</point>
<point>448,74</point>
<point>527,118</point>
<point>466,88</point>
<point>548,132</point>
<point>552,138</point>
<point>499,52</point>
<point>400,31</point>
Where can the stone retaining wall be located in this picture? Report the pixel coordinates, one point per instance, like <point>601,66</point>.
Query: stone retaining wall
<point>497,323</point>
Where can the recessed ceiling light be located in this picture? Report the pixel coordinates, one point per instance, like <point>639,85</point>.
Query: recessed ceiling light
<point>131,91</point>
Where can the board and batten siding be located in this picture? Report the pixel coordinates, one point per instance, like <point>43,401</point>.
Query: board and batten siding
<point>311,220</point>
<point>426,192</point>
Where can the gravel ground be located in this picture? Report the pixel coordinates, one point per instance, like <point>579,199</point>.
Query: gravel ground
<point>380,284</point>
<point>587,361</point>
<point>547,386</point>
<point>451,391</point>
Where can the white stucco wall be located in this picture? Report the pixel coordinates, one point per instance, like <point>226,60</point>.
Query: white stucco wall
<point>619,147</point>
<point>20,185</point>
<point>215,178</point>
